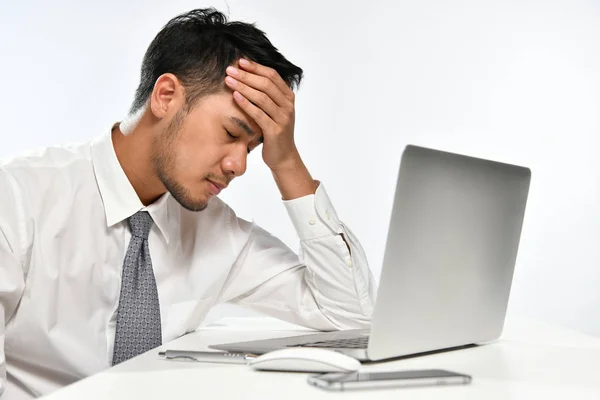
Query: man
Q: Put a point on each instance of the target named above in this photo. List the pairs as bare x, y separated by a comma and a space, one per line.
104, 253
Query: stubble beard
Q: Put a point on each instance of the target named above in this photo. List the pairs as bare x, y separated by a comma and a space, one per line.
163, 158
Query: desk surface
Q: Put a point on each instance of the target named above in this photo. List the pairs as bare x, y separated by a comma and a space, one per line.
531, 360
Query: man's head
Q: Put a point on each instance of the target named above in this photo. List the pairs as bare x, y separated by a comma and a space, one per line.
201, 137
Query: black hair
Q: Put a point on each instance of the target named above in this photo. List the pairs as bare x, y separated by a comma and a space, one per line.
198, 46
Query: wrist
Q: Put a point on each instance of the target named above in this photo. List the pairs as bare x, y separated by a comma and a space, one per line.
294, 180
289, 164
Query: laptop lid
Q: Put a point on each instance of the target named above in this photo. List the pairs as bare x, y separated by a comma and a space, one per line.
450, 253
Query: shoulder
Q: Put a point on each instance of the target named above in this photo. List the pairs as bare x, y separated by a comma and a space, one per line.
41, 174
54, 159
218, 219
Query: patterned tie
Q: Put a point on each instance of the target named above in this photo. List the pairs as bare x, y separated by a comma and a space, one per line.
138, 315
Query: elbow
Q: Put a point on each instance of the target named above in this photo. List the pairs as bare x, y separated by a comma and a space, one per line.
346, 319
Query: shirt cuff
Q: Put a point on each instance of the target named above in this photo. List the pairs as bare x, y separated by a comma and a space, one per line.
313, 216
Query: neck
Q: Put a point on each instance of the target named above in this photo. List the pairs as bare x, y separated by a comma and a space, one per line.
134, 152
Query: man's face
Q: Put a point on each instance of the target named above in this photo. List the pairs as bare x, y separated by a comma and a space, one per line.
200, 152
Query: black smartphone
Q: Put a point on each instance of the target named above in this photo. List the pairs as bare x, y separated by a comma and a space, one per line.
369, 380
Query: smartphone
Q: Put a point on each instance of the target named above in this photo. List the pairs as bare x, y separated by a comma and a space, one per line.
369, 380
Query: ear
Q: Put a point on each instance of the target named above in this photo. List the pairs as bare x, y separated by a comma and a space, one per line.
167, 95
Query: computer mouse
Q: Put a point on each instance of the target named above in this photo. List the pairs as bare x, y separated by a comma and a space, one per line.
303, 359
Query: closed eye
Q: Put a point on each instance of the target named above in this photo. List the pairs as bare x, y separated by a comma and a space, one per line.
248, 150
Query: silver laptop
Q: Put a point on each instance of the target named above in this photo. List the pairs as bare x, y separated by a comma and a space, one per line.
448, 265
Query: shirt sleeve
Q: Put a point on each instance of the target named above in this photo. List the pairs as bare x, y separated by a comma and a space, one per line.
12, 280
328, 286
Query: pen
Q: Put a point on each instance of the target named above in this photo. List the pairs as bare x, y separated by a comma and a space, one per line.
207, 356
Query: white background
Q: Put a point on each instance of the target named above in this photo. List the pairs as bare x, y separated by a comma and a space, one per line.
514, 81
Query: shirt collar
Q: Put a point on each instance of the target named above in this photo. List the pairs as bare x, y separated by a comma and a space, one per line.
118, 195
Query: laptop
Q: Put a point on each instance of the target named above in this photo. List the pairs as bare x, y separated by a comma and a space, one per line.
448, 265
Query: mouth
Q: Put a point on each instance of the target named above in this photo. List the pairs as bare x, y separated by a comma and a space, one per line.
216, 188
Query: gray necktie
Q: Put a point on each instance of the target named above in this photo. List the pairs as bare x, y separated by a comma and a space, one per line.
138, 315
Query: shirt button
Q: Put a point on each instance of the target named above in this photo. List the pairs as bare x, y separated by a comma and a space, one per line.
349, 262
312, 221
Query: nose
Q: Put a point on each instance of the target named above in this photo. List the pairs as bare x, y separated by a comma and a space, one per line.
234, 164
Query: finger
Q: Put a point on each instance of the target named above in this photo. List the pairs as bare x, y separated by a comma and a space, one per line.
260, 83
269, 73
265, 123
260, 99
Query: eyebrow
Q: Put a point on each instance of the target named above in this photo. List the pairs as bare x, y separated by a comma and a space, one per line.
245, 127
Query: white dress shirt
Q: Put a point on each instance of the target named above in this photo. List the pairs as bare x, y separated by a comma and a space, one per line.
63, 237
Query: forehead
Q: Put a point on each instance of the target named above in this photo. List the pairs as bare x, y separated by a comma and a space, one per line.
222, 106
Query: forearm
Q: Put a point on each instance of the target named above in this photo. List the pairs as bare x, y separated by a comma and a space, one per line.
339, 276
12, 277
294, 180
341, 283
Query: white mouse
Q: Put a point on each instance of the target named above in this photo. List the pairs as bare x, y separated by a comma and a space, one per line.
303, 359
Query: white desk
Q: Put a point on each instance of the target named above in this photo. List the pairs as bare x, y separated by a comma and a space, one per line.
532, 360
